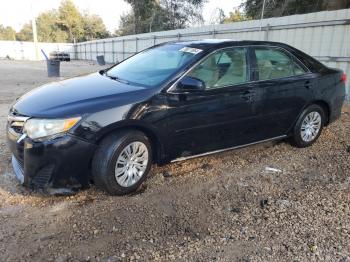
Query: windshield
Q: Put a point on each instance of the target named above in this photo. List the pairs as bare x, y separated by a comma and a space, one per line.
153, 66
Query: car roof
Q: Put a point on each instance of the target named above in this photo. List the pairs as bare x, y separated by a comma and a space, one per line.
219, 43
208, 45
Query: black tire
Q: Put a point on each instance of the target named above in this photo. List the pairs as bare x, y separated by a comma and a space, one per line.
296, 139
105, 158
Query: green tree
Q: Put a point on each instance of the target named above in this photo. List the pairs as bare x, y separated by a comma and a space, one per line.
70, 20
48, 29
338, 4
157, 20
141, 14
126, 25
157, 15
235, 16
221, 16
65, 25
275, 8
26, 33
182, 13
160, 19
94, 28
7, 33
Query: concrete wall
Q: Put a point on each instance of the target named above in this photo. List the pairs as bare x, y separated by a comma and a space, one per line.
26, 50
324, 35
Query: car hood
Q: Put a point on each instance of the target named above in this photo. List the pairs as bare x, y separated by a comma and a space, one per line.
79, 95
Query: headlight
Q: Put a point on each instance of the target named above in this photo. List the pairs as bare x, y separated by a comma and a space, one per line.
41, 128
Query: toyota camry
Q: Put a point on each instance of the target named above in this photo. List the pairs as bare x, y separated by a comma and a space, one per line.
170, 102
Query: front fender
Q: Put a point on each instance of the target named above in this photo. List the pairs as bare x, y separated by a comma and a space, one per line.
149, 119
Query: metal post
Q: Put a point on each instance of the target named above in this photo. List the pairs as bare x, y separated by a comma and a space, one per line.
76, 52
104, 49
154, 40
96, 49
90, 50
266, 37
113, 51
178, 36
123, 49
214, 32
85, 51
136, 46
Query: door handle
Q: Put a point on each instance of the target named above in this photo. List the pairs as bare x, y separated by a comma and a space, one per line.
247, 95
307, 84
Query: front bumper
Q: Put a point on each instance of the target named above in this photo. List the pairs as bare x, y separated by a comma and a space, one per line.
56, 166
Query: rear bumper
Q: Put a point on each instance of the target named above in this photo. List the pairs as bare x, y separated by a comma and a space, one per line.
335, 108
60, 165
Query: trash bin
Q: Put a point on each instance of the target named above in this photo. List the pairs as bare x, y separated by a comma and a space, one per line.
53, 68
101, 59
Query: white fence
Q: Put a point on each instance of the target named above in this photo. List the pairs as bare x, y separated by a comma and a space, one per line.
26, 50
324, 35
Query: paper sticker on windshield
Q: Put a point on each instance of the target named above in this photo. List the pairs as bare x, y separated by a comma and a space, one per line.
191, 50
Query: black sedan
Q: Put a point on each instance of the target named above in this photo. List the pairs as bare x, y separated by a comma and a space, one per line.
170, 102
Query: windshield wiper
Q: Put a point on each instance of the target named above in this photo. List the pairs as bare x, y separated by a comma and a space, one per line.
117, 79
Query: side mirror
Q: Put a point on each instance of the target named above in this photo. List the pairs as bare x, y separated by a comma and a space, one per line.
191, 84
102, 71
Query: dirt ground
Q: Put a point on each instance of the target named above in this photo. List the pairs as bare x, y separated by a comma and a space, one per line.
224, 207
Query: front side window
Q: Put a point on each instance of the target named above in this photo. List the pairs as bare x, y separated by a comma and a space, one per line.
223, 68
274, 63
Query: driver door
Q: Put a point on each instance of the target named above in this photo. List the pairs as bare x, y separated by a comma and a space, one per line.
222, 115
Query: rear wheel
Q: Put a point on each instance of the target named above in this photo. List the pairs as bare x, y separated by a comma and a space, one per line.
309, 126
122, 162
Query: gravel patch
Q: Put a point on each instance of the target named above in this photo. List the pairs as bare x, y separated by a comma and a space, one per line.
269, 202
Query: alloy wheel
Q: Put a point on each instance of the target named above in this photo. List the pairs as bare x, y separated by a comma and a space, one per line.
311, 126
131, 164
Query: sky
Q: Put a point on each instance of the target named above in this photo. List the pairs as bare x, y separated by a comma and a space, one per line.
15, 13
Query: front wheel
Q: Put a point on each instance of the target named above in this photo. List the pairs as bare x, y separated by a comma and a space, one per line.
122, 162
308, 127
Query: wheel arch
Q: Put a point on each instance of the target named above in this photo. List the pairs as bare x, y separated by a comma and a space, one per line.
150, 132
326, 108
323, 104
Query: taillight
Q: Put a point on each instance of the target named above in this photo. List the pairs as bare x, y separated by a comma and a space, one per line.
343, 78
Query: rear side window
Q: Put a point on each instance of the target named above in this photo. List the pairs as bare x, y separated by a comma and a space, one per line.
274, 63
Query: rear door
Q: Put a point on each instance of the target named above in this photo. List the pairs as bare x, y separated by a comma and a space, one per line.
286, 85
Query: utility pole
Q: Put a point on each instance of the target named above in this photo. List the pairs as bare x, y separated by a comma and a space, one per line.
35, 34
262, 14
152, 18
153, 15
